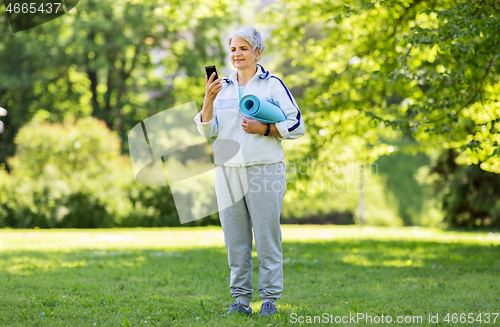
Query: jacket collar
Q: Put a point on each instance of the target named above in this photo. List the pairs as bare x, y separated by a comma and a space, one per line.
263, 74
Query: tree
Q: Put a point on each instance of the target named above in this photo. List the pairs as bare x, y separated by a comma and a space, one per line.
363, 70
119, 61
427, 69
451, 60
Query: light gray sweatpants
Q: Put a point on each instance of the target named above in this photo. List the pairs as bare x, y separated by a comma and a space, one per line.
261, 208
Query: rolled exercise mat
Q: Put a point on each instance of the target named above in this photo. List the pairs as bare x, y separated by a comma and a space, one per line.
261, 110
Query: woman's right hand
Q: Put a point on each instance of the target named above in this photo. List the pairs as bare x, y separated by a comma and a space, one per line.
213, 87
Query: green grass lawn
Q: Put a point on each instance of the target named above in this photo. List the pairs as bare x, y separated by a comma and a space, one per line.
180, 277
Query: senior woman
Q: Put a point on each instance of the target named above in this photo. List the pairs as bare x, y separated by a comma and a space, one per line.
259, 170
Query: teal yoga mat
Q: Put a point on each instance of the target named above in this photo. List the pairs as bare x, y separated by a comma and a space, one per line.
261, 110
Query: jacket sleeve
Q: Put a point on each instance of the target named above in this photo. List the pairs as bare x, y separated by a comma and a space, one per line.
293, 127
209, 128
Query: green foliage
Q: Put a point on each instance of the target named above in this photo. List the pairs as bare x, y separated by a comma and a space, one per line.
429, 69
365, 71
470, 195
339, 53
451, 63
362, 71
66, 149
403, 177
318, 189
66, 175
160, 201
119, 61
71, 175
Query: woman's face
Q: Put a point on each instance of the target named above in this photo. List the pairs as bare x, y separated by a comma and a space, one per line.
242, 55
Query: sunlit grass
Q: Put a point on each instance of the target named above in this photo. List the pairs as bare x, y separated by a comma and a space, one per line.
180, 276
169, 238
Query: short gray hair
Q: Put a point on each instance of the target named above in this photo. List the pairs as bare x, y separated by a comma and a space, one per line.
249, 34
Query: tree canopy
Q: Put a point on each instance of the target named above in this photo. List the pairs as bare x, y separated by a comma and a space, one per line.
428, 69
119, 61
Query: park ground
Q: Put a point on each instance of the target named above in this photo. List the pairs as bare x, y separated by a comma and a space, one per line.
180, 277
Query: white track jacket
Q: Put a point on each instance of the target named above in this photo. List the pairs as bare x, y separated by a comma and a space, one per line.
257, 149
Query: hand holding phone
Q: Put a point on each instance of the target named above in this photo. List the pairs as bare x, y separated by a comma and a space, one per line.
211, 69
214, 85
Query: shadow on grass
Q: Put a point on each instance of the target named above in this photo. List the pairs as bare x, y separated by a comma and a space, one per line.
477, 229
186, 287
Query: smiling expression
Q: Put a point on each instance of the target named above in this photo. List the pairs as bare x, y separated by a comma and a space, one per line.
242, 55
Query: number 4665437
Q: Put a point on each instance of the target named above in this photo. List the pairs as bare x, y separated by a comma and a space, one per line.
33, 8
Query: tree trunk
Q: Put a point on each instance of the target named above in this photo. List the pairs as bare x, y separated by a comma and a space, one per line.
361, 205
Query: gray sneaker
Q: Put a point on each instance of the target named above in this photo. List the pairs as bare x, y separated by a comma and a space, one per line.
268, 309
238, 308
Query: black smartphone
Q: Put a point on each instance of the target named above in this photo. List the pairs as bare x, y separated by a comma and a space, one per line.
211, 69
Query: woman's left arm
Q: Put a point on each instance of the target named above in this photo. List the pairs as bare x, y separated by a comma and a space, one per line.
253, 126
293, 127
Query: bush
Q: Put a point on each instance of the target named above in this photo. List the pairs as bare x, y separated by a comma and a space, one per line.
470, 195
68, 149
71, 175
